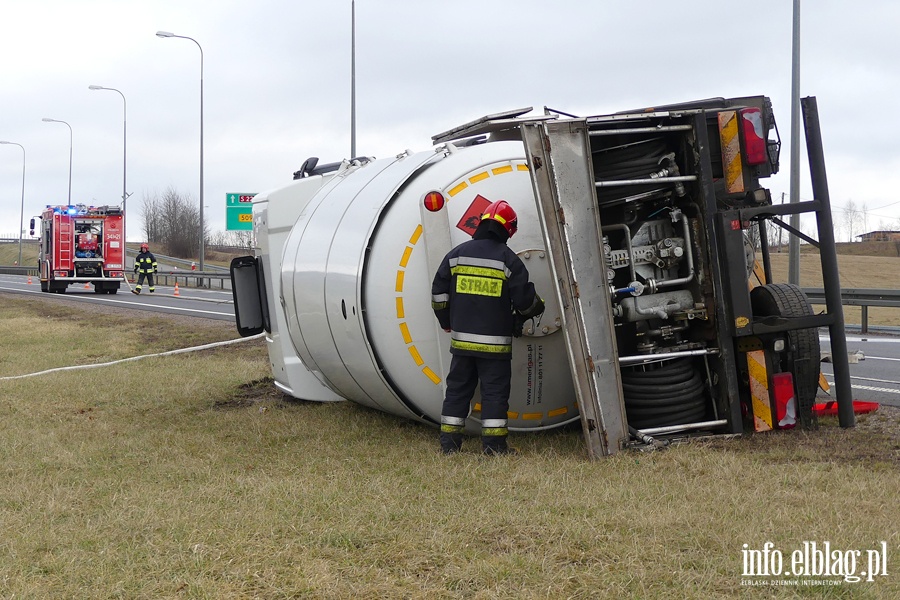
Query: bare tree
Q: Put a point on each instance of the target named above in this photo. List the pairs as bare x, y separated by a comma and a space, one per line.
151, 214
234, 239
851, 218
173, 220
864, 212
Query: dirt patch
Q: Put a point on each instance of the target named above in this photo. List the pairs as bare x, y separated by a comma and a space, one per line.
875, 440
253, 392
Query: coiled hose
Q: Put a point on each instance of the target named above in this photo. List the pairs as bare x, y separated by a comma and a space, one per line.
672, 394
630, 161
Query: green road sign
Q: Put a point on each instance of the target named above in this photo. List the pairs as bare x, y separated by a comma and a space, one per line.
239, 211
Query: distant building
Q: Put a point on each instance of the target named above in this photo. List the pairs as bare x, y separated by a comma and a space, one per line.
880, 236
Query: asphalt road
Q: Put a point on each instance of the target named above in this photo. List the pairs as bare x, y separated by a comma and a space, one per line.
204, 303
875, 370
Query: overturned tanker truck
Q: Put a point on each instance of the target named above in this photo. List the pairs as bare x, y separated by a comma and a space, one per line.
640, 230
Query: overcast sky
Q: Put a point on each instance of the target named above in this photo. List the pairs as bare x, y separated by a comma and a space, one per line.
277, 85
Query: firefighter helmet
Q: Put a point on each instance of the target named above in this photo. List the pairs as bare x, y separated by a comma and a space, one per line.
145, 247
504, 214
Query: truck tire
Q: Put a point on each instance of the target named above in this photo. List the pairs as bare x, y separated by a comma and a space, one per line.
802, 354
45, 286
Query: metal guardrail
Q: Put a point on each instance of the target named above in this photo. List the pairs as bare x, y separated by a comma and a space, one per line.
864, 298
6, 270
200, 279
187, 278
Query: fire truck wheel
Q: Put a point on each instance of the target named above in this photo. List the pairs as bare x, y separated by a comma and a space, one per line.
45, 286
802, 354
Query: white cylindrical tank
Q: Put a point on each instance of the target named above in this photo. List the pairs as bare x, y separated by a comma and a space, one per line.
356, 283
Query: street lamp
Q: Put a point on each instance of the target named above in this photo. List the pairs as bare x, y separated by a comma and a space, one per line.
124, 138
22, 209
46, 120
166, 34
124, 153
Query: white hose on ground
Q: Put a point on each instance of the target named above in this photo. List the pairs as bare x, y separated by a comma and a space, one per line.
115, 362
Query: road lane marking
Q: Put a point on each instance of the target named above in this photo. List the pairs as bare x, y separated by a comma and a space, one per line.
871, 388
126, 303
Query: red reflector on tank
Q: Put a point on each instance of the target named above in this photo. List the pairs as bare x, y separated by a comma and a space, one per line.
754, 139
434, 201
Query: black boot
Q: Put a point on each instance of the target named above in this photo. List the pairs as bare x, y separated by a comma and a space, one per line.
451, 443
495, 445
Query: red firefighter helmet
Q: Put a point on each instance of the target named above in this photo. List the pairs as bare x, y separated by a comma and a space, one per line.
504, 214
145, 247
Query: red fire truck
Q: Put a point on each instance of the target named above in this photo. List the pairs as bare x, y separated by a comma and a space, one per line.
81, 244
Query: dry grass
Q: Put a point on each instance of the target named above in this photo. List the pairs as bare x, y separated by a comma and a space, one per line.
9, 253
76, 333
188, 477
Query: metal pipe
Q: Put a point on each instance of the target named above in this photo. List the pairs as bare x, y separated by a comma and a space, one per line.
793, 242
627, 231
627, 182
685, 427
830, 275
641, 130
689, 256
648, 358
353, 79
646, 439
764, 250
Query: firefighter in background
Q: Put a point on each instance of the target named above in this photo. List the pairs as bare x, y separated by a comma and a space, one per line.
482, 296
145, 264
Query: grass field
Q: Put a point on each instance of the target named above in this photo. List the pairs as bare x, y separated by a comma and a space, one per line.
188, 477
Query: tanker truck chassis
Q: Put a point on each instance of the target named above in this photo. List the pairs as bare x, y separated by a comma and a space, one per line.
640, 230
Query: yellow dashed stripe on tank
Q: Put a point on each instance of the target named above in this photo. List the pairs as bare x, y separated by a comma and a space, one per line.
414, 353
401, 311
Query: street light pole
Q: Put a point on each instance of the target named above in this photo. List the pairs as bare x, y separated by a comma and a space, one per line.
124, 156
124, 139
166, 34
46, 120
352, 80
22, 209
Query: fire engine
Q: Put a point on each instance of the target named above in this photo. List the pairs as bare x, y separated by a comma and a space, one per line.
81, 244
635, 228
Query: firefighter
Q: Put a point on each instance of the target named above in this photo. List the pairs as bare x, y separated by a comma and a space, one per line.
145, 264
481, 295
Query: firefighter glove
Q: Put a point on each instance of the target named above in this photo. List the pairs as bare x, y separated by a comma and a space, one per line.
518, 324
135, 268
536, 308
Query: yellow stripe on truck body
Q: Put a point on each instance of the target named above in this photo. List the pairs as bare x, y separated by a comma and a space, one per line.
732, 162
759, 390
